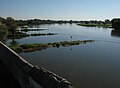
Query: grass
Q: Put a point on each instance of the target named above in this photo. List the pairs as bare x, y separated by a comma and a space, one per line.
26, 30
22, 35
17, 49
96, 25
34, 47
27, 46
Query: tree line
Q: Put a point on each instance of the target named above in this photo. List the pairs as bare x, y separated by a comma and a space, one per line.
11, 25
39, 22
8, 24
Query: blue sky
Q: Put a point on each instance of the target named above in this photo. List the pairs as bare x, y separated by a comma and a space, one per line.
60, 9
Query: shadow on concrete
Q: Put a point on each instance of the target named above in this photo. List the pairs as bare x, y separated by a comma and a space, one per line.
6, 79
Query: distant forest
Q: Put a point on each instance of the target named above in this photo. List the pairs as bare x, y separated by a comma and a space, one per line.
11, 23
115, 23
39, 21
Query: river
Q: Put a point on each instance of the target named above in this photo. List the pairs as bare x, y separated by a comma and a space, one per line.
90, 65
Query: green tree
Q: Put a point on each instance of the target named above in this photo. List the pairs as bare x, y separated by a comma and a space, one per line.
2, 26
116, 23
3, 32
107, 21
2, 20
11, 25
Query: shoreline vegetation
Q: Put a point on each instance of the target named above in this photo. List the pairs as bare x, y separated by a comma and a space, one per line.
9, 26
20, 35
38, 47
29, 29
96, 25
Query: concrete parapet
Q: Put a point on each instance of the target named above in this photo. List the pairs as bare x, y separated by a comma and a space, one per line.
48, 79
27, 75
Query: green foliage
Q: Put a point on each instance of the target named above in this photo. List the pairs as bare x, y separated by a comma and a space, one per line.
3, 26
39, 22
33, 47
116, 23
96, 25
38, 34
6, 25
2, 20
3, 32
19, 35
17, 49
27, 46
11, 24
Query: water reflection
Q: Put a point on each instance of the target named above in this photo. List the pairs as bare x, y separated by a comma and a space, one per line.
91, 65
115, 33
14, 43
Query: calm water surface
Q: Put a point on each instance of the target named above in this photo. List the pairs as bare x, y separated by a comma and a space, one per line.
91, 65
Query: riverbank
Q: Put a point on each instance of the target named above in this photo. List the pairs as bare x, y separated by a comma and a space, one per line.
32, 29
20, 35
96, 25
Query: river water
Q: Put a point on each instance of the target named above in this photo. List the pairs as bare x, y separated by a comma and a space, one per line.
90, 65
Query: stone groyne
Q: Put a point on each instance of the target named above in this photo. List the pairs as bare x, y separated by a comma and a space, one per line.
27, 75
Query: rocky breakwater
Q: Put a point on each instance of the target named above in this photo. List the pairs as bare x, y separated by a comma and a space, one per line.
27, 75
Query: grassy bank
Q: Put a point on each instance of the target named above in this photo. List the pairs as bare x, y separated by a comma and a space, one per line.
34, 47
22, 35
28, 29
97, 25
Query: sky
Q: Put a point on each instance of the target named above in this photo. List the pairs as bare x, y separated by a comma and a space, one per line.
60, 9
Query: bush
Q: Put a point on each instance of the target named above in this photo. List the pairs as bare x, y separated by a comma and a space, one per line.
26, 46
17, 49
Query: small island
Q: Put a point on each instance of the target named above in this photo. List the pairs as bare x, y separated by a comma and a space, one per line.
20, 35
35, 47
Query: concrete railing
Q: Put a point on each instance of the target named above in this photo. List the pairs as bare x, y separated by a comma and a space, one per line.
27, 75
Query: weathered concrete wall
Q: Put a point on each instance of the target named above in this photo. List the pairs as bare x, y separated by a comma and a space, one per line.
18, 67
28, 75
